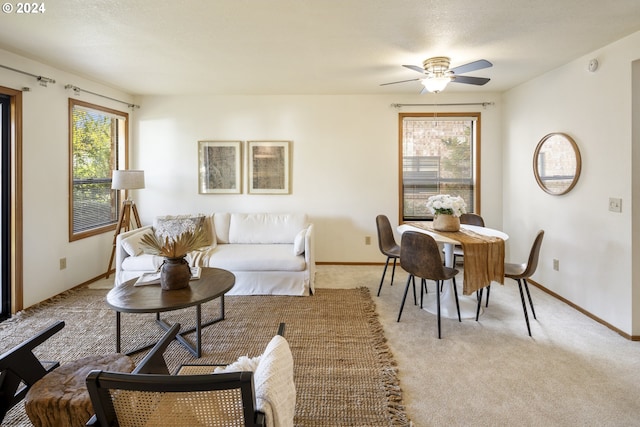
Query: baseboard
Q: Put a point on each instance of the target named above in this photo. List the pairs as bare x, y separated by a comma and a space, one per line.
348, 263
585, 312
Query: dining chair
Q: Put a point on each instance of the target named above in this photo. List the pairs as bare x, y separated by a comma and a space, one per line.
520, 273
469, 219
420, 257
388, 246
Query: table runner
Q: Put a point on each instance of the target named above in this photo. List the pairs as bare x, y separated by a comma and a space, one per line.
483, 256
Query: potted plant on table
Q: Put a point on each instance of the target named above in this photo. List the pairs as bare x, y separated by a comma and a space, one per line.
175, 272
447, 210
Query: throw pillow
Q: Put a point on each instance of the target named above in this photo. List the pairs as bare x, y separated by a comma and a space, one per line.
298, 243
131, 244
171, 226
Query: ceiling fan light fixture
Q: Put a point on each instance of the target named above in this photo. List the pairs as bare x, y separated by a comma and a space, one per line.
435, 84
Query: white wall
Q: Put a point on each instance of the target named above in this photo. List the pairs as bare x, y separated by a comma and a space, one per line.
45, 145
345, 159
593, 245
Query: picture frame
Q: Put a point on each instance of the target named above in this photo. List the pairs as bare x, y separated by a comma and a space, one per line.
269, 166
219, 167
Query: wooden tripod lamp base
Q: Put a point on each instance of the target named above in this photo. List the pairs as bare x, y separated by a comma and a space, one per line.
125, 180
124, 224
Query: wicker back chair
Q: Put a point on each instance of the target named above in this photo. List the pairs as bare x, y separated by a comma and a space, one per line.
195, 396
174, 400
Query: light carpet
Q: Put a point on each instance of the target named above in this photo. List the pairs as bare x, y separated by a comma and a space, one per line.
572, 372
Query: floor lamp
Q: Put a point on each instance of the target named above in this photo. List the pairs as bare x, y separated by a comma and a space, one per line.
125, 180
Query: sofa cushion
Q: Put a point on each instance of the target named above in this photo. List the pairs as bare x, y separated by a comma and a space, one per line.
221, 226
265, 228
256, 257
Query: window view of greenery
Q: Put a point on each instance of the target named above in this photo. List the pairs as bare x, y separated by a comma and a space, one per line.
437, 158
96, 135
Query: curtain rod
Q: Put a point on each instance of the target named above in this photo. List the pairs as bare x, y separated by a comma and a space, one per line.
77, 90
484, 104
41, 79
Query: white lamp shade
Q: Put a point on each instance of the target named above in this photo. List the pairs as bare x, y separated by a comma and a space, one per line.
127, 179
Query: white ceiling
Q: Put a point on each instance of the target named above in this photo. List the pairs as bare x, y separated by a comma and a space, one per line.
309, 46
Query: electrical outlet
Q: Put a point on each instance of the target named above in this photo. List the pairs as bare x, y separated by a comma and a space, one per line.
615, 204
367, 240
556, 265
63, 263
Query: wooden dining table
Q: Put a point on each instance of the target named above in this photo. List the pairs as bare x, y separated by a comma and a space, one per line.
483, 249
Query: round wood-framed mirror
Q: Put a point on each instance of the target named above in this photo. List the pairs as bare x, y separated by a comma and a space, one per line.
557, 163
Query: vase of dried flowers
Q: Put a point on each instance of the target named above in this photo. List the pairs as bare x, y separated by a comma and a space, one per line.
175, 272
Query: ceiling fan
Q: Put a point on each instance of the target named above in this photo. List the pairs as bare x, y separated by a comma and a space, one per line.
438, 74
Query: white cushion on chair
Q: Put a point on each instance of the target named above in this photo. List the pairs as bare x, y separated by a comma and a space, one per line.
275, 389
273, 381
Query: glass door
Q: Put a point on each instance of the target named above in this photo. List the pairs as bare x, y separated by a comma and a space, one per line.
5, 207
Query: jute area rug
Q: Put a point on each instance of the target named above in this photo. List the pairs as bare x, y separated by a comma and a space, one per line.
344, 372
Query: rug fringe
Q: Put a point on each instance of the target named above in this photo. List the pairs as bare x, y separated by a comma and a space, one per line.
395, 408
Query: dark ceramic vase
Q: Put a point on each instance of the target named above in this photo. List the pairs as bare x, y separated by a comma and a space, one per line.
174, 274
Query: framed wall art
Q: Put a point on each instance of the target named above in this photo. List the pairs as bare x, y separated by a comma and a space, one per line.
220, 167
269, 166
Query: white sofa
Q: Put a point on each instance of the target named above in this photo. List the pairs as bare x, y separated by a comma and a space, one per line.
269, 253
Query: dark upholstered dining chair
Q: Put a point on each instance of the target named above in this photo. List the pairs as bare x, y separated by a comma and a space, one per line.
469, 219
520, 273
388, 246
420, 257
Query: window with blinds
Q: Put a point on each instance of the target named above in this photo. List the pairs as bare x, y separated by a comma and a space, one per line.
438, 156
98, 142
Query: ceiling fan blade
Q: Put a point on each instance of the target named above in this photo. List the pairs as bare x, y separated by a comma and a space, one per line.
471, 66
401, 81
415, 68
478, 81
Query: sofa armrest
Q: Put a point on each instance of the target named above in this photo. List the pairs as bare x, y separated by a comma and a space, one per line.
121, 254
310, 255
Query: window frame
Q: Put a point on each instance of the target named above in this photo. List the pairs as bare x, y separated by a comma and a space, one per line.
475, 152
120, 159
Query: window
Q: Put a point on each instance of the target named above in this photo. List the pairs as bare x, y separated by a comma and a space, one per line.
98, 145
438, 156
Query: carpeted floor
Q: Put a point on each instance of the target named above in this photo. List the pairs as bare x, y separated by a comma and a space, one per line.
572, 372
344, 372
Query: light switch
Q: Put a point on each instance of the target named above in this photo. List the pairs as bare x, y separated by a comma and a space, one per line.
615, 205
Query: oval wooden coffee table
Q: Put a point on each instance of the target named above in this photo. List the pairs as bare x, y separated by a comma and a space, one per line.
128, 298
